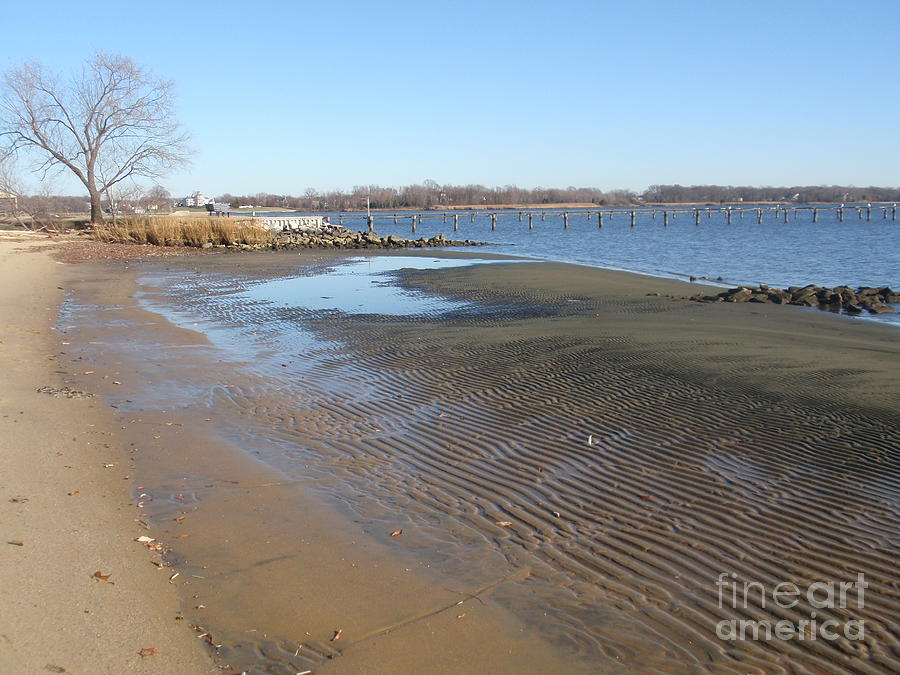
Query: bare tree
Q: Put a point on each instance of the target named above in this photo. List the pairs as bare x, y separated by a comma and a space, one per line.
158, 199
110, 123
30, 211
9, 185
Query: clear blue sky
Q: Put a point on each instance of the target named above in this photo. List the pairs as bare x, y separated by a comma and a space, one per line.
281, 96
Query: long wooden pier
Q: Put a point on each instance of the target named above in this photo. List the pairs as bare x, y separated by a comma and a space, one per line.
603, 216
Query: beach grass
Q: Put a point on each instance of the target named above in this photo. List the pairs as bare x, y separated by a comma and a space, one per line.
182, 230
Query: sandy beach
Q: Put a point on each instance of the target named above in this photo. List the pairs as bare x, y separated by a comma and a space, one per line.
66, 511
553, 480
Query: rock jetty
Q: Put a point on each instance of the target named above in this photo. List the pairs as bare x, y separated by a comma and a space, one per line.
850, 300
339, 237
331, 236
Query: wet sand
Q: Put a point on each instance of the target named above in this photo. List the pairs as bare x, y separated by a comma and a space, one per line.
575, 461
64, 514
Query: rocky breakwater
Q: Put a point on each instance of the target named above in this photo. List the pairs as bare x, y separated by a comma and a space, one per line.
841, 298
340, 237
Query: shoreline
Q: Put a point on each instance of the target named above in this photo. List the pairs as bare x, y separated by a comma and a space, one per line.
616, 364
79, 250
552, 207
72, 514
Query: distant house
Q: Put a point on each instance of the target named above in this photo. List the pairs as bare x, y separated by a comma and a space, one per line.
195, 199
8, 201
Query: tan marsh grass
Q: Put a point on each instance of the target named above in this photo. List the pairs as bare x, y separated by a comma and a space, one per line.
187, 230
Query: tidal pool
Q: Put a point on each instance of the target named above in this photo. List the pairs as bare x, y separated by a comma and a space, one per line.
363, 286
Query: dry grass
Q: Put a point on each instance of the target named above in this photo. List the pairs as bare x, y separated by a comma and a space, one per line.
187, 230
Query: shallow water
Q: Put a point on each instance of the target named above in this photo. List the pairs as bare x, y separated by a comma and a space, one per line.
361, 286
828, 252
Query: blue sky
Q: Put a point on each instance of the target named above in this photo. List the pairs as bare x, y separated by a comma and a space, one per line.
282, 96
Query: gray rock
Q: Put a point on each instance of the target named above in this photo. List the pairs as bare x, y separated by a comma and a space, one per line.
739, 295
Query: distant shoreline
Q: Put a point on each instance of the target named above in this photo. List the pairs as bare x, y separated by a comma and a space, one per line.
561, 205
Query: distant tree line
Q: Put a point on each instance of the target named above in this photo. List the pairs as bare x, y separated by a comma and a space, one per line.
431, 195
807, 193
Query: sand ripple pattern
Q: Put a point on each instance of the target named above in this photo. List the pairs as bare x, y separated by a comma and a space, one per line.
630, 482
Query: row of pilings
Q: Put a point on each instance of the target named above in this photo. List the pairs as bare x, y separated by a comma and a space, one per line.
604, 216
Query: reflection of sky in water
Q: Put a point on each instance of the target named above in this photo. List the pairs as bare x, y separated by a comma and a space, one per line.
361, 286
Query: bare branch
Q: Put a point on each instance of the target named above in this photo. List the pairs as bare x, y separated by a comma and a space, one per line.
112, 122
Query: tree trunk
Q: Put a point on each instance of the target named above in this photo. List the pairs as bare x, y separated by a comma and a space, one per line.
96, 208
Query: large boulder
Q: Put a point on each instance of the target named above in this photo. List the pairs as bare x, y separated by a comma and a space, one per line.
740, 294
881, 308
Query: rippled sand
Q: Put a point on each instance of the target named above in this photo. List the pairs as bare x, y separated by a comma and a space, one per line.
591, 456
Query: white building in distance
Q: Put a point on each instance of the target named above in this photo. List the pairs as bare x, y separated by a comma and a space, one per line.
196, 199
